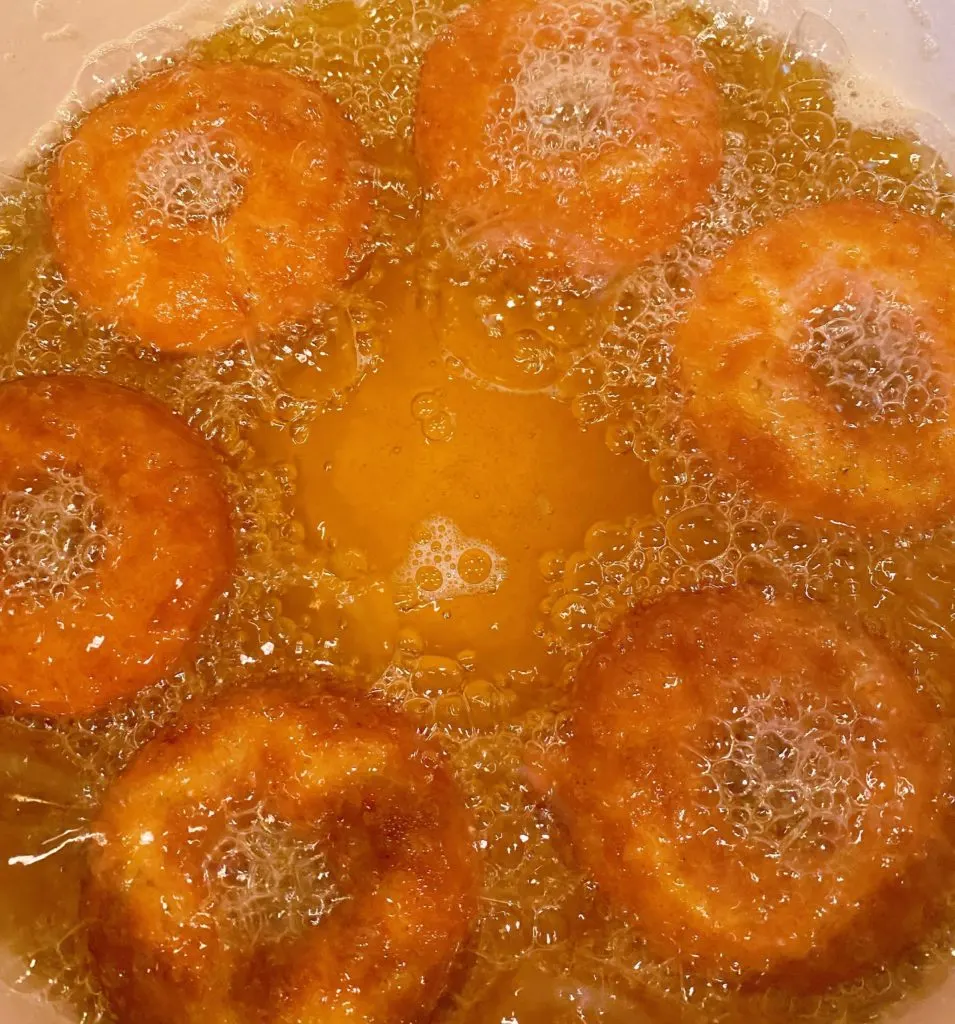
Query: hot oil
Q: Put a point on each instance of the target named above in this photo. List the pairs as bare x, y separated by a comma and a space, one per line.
447, 484
433, 499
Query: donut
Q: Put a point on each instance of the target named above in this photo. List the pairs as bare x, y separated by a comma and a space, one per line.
760, 786
818, 362
116, 539
572, 130
326, 771
208, 203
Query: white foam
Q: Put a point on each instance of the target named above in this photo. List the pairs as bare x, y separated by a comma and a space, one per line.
443, 564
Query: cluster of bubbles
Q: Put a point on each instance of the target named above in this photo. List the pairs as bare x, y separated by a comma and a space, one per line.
872, 354
268, 881
782, 771
366, 56
563, 101
444, 695
13, 227
564, 97
52, 535
533, 900
189, 178
443, 563
570, 98
437, 420
527, 337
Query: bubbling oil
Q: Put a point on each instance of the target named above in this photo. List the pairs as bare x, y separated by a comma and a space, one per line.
872, 353
311, 590
53, 533
187, 178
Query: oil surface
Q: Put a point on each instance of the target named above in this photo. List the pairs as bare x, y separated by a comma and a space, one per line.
448, 483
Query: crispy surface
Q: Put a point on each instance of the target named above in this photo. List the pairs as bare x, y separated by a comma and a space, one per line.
819, 360
570, 128
168, 552
345, 771
763, 788
211, 201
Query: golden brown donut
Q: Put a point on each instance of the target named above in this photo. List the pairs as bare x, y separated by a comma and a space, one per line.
763, 788
207, 203
337, 772
116, 540
573, 130
819, 361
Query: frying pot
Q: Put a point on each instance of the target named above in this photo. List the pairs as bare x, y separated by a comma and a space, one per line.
901, 51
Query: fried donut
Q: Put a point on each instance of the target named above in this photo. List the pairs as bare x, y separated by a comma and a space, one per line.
212, 201
573, 130
762, 787
819, 362
116, 539
337, 772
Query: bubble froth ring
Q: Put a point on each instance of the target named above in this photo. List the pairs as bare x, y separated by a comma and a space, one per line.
343, 772
211, 201
762, 787
819, 361
116, 539
576, 131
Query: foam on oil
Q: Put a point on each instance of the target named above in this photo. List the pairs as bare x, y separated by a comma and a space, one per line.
602, 354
